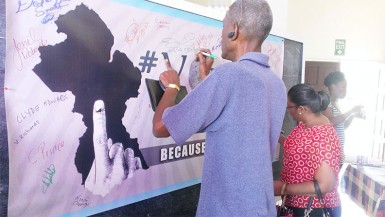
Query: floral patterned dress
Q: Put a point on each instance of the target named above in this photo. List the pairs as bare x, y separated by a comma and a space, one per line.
304, 151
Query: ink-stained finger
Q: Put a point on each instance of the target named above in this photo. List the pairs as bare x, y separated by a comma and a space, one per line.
100, 136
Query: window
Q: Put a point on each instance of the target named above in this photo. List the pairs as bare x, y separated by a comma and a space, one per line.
366, 86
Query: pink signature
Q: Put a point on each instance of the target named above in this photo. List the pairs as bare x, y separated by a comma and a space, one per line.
44, 151
162, 24
26, 48
135, 32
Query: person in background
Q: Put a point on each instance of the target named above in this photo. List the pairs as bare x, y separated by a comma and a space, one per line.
241, 106
312, 151
336, 84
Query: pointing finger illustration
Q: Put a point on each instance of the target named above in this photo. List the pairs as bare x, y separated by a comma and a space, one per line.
100, 137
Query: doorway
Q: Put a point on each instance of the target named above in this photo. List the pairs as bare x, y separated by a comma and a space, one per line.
315, 72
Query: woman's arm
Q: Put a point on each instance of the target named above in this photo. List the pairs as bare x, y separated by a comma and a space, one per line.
346, 117
325, 177
281, 139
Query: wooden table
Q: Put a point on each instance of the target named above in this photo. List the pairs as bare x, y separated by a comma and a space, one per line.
366, 186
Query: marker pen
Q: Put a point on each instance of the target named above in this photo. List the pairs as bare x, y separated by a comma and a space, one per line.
207, 54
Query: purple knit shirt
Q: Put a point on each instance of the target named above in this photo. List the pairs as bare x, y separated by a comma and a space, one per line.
240, 106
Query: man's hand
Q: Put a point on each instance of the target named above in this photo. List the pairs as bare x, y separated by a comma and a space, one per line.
170, 76
205, 63
112, 165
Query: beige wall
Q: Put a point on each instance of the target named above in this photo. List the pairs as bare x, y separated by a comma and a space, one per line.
362, 24
280, 12
319, 22
278, 7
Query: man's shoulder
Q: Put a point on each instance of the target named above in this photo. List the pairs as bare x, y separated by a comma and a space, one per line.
277, 82
227, 66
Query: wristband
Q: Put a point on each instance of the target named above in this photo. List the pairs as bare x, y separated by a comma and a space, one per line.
173, 86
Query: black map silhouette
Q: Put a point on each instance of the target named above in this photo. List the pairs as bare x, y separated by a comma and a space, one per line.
81, 64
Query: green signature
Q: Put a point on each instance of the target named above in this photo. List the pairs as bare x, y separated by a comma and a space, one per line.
47, 177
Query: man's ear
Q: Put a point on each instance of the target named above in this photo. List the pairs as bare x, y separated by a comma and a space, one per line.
236, 32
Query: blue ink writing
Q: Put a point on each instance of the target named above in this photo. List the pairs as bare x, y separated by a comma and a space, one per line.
29, 129
42, 8
27, 113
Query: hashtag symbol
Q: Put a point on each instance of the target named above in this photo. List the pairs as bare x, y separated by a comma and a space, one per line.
148, 61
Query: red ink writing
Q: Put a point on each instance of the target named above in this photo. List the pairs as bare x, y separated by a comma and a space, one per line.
135, 32
162, 24
26, 48
44, 151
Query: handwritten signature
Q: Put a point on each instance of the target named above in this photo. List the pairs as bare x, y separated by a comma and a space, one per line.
26, 132
43, 8
186, 44
162, 24
44, 151
204, 40
134, 32
80, 201
47, 177
27, 48
217, 44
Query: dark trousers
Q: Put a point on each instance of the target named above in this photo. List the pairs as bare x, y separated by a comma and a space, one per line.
316, 212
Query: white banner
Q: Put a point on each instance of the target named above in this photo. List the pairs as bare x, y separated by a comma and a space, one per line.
65, 55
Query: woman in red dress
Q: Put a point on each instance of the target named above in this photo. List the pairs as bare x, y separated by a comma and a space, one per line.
312, 151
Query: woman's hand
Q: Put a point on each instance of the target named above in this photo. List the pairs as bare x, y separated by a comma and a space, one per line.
358, 111
278, 188
281, 139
